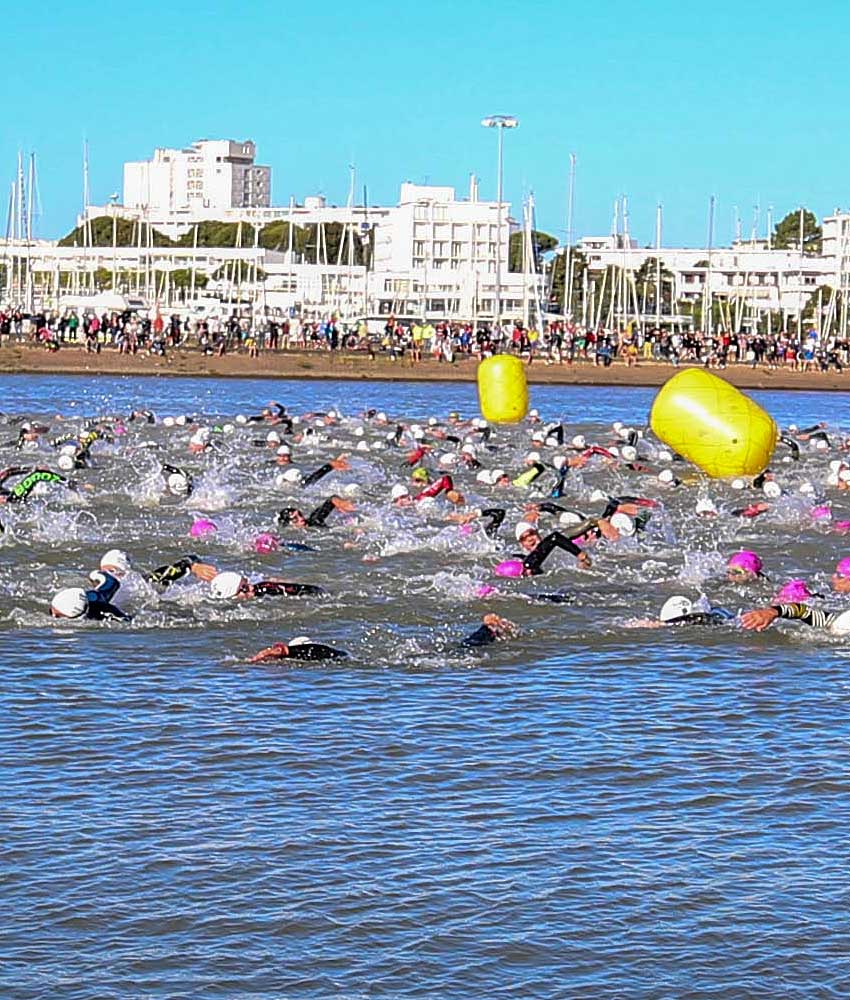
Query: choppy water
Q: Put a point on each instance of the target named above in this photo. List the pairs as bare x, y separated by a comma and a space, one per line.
586, 811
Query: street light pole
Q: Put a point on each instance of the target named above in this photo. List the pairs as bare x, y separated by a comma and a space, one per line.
500, 122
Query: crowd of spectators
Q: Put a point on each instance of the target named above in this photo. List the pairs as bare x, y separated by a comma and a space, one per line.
558, 343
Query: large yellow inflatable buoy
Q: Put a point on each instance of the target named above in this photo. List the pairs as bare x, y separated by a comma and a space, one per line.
502, 389
713, 425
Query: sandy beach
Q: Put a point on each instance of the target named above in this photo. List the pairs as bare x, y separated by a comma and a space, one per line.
326, 365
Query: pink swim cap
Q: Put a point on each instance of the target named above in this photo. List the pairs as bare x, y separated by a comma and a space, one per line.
201, 527
841, 526
749, 562
484, 590
794, 590
843, 567
821, 513
510, 567
465, 529
266, 543
119, 429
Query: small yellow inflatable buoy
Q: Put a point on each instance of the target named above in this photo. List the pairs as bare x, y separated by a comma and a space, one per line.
502, 389
713, 425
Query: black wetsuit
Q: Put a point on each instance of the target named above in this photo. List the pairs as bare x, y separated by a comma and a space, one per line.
714, 616
21, 491
484, 635
313, 652
533, 561
316, 518
809, 616
99, 606
495, 517
276, 588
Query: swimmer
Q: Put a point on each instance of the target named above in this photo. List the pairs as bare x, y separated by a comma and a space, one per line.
493, 516
835, 622
492, 629
536, 549
178, 481
679, 611
300, 648
228, 585
94, 604
23, 489
293, 517
444, 484
744, 567
841, 577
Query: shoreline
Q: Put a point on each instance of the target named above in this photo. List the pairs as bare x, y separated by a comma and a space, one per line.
320, 365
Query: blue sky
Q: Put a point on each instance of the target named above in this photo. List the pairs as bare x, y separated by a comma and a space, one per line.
663, 101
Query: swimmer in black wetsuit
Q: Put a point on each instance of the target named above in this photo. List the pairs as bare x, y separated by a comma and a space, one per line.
22, 490
295, 518
229, 585
94, 604
493, 629
835, 622
299, 648
536, 549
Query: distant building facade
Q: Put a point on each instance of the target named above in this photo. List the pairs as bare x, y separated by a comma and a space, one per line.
210, 176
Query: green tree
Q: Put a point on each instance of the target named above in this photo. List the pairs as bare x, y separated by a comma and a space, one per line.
786, 235
127, 233
646, 281
541, 242
238, 271
578, 266
275, 236
214, 233
181, 277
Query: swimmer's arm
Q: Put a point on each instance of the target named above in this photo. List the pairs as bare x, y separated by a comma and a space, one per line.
555, 539
495, 515
761, 618
318, 517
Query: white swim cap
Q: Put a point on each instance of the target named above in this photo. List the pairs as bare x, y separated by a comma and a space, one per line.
533, 456
675, 607
664, 455
379, 446
538, 437
559, 461
115, 559
399, 490
821, 445
579, 441
806, 488
738, 484
569, 517
448, 458
628, 453
65, 462
299, 640
240, 418
169, 421
597, 496
284, 449
71, 449
362, 446
841, 625
623, 523
484, 476
793, 428
432, 421
705, 505
382, 417
358, 432
178, 483
523, 527
468, 449
665, 476
180, 421
772, 490
228, 429
226, 585
292, 475
534, 412
70, 602
273, 437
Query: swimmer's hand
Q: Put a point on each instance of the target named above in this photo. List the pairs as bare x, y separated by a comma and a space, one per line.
345, 506
500, 627
458, 517
645, 623
203, 571
277, 651
760, 619
607, 530
584, 560
340, 463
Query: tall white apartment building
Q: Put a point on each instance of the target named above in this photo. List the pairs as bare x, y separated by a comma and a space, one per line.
208, 177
